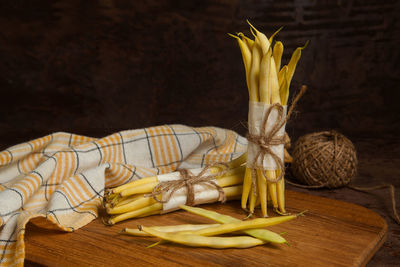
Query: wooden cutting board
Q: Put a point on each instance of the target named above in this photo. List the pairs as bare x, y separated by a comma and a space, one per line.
333, 233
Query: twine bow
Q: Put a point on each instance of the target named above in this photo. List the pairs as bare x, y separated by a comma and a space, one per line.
267, 139
189, 180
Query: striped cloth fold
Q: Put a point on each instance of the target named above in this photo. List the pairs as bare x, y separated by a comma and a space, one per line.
61, 177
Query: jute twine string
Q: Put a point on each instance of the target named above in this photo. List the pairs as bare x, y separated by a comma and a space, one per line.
392, 196
324, 159
189, 180
267, 139
328, 160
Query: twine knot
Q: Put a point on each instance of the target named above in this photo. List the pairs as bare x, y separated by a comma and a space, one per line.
189, 180
264, 142
271, 138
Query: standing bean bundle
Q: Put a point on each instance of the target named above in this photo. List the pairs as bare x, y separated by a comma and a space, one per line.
268, 84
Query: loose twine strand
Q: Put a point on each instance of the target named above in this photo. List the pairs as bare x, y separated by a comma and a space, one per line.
189, 180
328, 159
392, 196
267, 139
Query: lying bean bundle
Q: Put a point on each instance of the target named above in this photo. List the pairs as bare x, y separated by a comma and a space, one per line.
204, 235
267, 83
134, 199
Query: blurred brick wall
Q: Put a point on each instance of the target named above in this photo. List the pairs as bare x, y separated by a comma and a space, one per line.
96, 67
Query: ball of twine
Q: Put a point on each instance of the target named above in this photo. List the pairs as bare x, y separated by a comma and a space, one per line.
324, 159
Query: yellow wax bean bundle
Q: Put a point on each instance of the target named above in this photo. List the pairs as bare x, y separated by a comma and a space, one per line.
134, 199
153, 179
269, 83
147, 205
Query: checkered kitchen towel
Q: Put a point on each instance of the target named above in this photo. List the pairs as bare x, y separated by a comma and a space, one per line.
62, 176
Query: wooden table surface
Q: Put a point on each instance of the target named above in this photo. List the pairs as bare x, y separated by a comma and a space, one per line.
333, 233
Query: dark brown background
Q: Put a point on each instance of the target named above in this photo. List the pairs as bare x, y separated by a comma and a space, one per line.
96, 67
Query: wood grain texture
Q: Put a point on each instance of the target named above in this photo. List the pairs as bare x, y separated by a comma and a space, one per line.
333, 233
96, 67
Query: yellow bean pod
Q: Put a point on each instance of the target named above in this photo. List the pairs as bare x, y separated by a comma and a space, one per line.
265, 72
246, 187
157, 207
140, 189
168, 229
277, 54
293, 62
142, 181
133, 205
263, 234
247, 40
262, 192
263, 40
203, 241
255, 71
